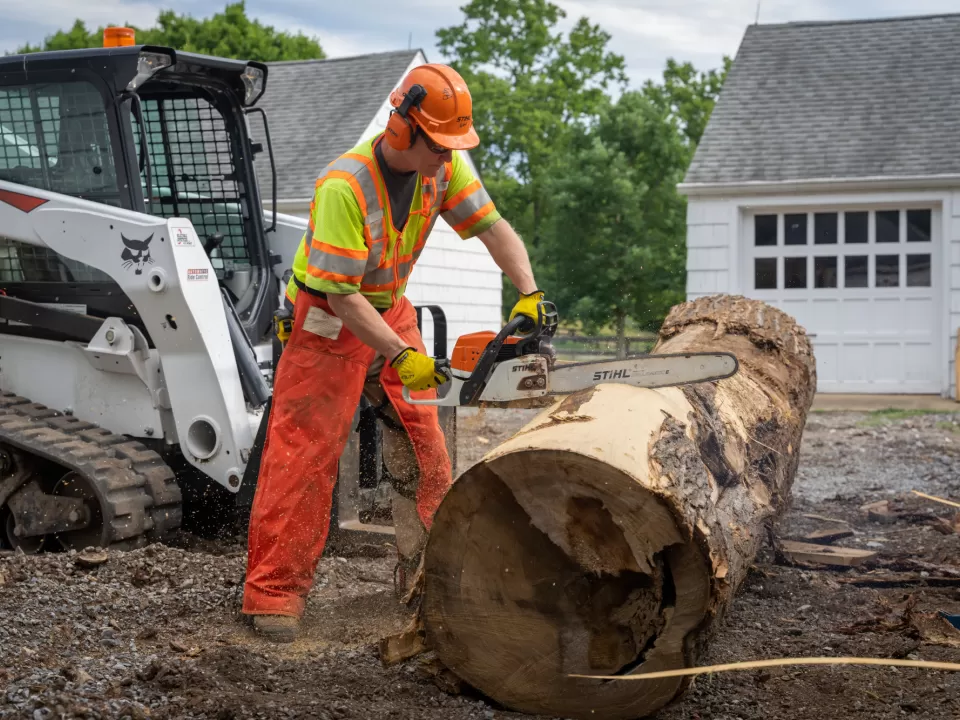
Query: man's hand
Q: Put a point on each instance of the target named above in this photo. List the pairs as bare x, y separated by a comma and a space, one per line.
417, 371
527, 305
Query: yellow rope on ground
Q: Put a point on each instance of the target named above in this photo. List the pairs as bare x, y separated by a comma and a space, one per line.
753, 664
935, 498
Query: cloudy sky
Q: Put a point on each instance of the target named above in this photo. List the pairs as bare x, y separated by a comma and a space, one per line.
645, 32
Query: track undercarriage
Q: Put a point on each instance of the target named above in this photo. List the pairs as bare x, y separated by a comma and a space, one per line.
69, 483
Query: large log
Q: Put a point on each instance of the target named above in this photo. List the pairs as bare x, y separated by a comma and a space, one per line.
610, 534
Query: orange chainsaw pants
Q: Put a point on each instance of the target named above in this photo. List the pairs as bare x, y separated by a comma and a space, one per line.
317, 388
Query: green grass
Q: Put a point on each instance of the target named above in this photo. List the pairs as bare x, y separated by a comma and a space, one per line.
953, 426
886, 415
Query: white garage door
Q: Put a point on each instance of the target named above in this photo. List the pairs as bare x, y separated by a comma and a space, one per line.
865, 282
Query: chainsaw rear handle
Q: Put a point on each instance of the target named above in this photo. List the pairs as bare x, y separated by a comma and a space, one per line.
443, 367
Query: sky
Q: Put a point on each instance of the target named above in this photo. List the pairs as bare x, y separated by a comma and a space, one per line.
645, 32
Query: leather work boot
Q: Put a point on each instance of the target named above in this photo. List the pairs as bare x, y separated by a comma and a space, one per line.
277, 628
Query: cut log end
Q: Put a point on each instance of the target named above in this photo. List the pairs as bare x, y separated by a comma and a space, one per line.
608, 535
560, 578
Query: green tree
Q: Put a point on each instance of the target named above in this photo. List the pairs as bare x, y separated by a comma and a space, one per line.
226, 34
531, 85
688, 95
616, 230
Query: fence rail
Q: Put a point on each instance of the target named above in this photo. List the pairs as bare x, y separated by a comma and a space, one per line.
601, 345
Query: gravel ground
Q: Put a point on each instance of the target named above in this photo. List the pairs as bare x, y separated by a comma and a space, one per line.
154, 633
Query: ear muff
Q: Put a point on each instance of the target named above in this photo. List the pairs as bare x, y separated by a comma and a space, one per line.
401, 133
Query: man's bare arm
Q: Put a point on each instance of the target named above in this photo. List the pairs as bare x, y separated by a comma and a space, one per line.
362, 319
509, 253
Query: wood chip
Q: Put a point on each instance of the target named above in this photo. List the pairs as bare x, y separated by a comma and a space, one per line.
397, 648
825, 554
90, 558
825, 519
879, 511
825, 536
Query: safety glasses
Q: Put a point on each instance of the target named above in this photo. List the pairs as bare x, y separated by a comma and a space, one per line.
432, 146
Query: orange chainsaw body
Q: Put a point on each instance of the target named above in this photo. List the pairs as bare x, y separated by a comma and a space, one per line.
469, 348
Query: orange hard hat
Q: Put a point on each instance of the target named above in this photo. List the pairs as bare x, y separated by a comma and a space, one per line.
444, 113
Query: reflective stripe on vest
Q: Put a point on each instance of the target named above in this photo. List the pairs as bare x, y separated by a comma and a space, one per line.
468, 207
380, 274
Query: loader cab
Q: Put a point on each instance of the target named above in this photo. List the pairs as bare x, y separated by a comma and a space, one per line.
148, 129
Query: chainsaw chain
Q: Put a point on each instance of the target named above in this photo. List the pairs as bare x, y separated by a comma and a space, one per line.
140, 500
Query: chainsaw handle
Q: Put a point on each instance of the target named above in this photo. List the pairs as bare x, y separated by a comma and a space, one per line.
450, 397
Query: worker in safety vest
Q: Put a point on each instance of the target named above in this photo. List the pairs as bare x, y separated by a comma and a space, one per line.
354, 332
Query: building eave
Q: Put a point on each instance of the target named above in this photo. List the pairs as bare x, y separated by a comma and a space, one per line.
814, 185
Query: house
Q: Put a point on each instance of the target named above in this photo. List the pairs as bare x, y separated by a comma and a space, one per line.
827, 183
319, 109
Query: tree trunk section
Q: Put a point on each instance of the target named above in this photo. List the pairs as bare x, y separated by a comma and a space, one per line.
610, 534
621, 336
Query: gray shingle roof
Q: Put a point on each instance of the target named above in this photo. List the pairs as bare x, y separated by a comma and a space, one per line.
837, 100
318, 109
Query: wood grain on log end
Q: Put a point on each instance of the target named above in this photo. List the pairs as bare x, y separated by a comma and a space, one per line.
609, 534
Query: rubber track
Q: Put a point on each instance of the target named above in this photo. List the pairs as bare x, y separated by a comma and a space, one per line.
140, 498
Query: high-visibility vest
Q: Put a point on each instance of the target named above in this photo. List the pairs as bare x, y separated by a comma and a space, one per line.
382, 268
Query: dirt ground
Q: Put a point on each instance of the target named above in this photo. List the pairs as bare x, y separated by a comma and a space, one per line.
154, 633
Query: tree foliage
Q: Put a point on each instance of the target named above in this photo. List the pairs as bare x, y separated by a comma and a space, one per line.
228, 34
531, 85
588, 183
617, 223
688, 96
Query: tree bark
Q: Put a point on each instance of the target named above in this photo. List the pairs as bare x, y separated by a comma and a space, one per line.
610, 534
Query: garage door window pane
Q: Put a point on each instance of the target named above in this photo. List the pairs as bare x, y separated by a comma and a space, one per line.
888, 271
795, 229
918, 271
795, 273
765, 273
888, 226
918, 226
825, 229
825, 272
855, 228
765, 230
855, 271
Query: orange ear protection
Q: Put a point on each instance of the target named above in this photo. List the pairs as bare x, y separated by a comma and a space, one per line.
401, 133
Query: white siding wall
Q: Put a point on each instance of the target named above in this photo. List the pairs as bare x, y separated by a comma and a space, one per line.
951, 214
709, 247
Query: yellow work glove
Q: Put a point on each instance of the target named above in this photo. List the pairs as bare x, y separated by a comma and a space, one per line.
527, 305
417, 371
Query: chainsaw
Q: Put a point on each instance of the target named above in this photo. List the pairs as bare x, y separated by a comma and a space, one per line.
517, 365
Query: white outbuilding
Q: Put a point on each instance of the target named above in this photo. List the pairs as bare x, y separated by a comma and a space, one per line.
827, 183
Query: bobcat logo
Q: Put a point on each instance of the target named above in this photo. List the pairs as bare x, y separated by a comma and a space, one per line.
136, 253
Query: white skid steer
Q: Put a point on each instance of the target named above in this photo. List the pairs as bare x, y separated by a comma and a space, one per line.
139, 287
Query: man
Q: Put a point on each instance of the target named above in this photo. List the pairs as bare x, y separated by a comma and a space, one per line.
354, 332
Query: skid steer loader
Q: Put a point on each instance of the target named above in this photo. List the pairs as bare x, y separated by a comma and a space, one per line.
140, 280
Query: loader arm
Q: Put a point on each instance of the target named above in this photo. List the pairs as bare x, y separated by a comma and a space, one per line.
161, 266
